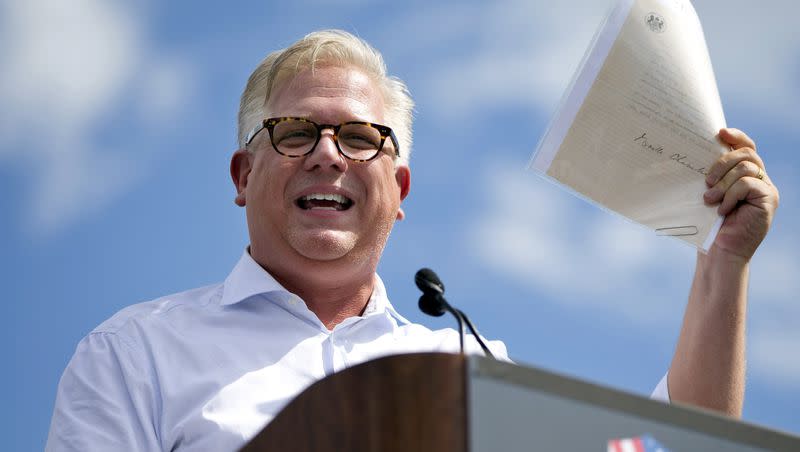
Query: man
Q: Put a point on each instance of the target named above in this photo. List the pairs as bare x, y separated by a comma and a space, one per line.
322, 170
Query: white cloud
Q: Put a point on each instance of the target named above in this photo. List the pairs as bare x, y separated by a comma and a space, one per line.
75, 182
612, 265
526, 234
755, 48
773, 355
164, 88
775, 272
66, 66
525, 53
774, 308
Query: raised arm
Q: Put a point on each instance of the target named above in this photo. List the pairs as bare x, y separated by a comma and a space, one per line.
709, 363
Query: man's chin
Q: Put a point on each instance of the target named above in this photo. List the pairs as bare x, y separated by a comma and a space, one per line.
324, 245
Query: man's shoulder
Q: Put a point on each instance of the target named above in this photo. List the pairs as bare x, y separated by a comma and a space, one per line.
148, 312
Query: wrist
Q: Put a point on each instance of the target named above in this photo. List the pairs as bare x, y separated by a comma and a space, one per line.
718, 258
721, 275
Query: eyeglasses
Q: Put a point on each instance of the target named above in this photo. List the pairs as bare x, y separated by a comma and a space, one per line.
295, 137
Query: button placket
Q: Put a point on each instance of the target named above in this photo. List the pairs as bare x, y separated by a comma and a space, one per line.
342, 345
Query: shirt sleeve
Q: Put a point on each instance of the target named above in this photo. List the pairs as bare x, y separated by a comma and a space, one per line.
472, 347
499, 350
104, 401
661, 392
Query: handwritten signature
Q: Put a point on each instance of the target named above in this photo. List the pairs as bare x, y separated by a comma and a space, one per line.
642, 140
681, 159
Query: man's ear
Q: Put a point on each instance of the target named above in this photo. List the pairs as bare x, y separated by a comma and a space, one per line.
241, 164
403, 177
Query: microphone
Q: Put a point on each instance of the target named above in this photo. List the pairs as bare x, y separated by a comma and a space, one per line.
428, 281
433, 303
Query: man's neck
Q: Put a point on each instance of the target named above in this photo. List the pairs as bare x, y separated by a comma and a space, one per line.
332, 296
337, 304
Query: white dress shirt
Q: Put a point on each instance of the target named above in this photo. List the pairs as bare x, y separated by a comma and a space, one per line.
207, 369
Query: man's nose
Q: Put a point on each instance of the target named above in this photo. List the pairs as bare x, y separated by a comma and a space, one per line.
326, 154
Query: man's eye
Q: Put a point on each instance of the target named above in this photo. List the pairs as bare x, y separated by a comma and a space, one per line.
295, 136
356, 137
359, 140
299, 133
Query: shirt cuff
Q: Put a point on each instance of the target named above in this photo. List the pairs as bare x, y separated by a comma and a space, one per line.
661, 392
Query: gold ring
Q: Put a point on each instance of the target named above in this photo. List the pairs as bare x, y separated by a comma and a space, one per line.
760, 174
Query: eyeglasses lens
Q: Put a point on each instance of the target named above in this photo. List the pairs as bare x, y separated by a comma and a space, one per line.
295, 138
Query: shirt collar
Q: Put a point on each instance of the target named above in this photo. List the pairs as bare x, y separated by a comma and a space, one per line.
247, 279
379, 302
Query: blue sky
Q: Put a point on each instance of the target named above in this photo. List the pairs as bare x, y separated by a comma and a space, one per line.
117, 121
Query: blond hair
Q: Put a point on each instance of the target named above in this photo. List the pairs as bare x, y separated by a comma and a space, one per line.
329, 47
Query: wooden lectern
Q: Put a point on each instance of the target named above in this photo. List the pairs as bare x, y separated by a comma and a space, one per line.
443, 402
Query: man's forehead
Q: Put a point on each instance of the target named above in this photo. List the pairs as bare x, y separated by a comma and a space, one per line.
326, 83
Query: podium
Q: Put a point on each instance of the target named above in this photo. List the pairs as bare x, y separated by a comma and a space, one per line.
443, 402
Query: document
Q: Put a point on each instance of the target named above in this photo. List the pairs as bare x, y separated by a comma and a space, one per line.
637, 130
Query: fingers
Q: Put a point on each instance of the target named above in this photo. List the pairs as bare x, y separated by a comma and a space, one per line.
730, 160
742, 169
741, 190
736, 138
745, 194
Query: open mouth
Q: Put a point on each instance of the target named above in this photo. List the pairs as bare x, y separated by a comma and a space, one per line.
327, 201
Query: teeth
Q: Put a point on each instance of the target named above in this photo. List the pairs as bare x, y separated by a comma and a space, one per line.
325, 197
